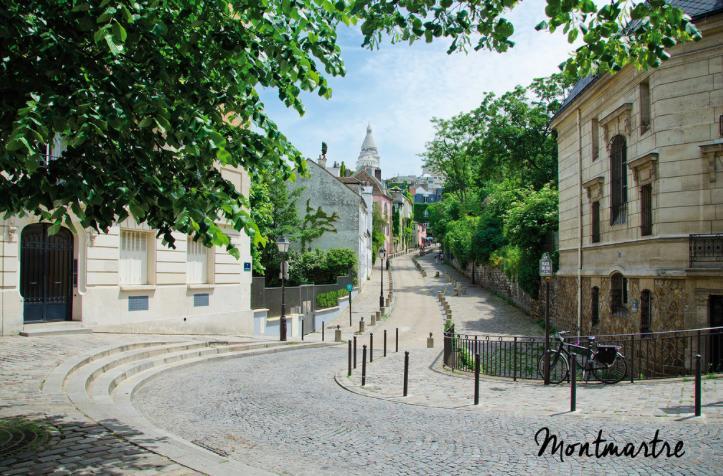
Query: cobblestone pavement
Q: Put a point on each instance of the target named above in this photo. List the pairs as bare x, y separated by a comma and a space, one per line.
662, 400
286, 414
78, 445
478, 310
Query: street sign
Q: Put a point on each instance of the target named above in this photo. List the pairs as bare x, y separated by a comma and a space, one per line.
284, 273
247, 266
545, 265
349, 287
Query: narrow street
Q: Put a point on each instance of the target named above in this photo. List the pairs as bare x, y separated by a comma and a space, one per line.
287, 414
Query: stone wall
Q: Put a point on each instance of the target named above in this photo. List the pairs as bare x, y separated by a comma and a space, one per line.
495, 280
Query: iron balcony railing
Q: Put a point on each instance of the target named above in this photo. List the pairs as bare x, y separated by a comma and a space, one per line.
650, 355
706, 250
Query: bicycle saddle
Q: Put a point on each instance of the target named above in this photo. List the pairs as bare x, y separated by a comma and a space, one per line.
590, 338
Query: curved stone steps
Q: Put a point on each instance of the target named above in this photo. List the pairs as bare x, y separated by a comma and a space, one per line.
55, 381
105, 384
109, 402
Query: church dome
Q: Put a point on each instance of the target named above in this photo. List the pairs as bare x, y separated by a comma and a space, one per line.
368, 155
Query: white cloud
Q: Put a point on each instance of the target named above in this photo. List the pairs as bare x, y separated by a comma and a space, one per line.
400, 88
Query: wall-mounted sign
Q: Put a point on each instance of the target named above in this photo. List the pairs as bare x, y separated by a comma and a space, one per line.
545, 265
247, 266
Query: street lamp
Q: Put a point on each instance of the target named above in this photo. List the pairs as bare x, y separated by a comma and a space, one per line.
382, 252
283, 244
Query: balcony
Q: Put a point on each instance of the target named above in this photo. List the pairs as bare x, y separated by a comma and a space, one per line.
706, 250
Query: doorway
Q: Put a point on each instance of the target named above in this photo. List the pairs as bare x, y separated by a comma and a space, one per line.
46, 274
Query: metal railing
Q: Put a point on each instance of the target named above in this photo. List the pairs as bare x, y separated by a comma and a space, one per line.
705, 250
649, 356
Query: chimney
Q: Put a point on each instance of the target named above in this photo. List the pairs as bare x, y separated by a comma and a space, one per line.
378, 174
322, 160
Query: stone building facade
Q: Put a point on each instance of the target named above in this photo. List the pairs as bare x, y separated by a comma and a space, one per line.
123, 281
350, 201
641, 193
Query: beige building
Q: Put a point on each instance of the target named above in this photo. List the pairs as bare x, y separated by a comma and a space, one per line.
125, 280
641, 192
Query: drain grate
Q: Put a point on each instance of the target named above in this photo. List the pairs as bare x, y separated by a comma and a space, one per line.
210, 448
17, 435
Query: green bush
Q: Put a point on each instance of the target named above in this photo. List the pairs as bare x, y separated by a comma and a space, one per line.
330, 299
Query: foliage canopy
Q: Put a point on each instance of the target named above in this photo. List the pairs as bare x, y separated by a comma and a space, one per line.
148, 97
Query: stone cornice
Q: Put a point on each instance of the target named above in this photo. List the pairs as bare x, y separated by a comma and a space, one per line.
644, 168
616, 122
594, 188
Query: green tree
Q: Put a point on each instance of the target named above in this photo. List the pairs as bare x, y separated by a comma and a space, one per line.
273, 210
378, 224
149, 96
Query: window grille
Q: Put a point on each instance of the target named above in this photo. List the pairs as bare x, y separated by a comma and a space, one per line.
133, 257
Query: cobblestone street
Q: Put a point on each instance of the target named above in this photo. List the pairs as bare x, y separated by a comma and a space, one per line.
287, 414
296, 412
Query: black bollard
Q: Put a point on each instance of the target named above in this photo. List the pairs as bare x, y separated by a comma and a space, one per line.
396, 344
573, 382
302, 329
322, 331
476, 379
354, 351
406, 371
697, 385
371, 347
364, 365
385, 342
349, 357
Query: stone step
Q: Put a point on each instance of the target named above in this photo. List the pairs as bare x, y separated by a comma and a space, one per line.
55, 382
90, 371
103, 383
54, 328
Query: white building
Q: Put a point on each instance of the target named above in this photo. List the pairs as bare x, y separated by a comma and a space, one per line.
125, 280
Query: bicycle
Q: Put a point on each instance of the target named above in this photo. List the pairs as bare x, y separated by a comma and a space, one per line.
604, 362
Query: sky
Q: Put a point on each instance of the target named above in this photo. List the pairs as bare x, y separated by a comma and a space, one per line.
399, 88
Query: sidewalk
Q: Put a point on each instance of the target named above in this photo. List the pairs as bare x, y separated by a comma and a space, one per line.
76, 444
417, 313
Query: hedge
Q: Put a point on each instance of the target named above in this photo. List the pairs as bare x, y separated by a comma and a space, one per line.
330, 298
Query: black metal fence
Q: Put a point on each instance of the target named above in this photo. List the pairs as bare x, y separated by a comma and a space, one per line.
649, 356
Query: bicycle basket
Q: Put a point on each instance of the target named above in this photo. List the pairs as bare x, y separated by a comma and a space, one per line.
606, 354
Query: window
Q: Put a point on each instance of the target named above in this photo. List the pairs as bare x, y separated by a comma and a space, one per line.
618, 294
595, 305
646, 210
644, 107
133, 257
646, 312
197, 262
595, 139
595, 222
618, 181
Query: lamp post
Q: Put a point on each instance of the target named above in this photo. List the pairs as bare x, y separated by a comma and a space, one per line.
546, 273
283, 244
382, 252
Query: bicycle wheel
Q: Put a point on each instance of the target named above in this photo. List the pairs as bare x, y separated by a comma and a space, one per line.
559, 368
614, 373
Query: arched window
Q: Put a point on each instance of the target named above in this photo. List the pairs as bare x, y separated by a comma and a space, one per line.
595, 305
646, 312
618, 294
618, 180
